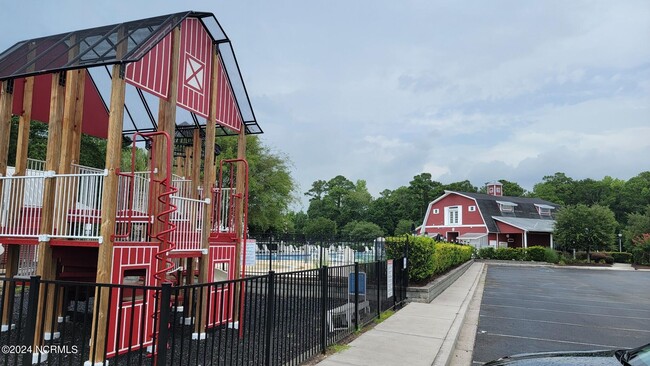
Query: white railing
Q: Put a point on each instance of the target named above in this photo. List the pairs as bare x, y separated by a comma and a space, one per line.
133, 204
37, 167
188, 219
222, 216
20, 209
81, 169
77, 205
184, 186
27, 260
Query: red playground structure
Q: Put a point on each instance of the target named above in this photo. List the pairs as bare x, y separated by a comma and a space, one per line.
181, 219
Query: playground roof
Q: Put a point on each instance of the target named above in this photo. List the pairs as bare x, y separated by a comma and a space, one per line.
97, 48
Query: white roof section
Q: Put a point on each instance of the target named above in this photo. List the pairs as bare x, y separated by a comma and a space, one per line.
537, 225
549, 207
470, 236
507, 203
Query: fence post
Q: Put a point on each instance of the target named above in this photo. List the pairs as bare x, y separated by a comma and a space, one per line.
407, 249
356, 295
320, 255
323, 309
163, 326
270, 295
270, 253
30, 326
379, 283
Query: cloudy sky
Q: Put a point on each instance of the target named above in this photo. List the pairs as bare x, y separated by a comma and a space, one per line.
385, 90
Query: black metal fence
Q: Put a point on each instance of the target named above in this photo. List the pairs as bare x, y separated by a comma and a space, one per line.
271, 319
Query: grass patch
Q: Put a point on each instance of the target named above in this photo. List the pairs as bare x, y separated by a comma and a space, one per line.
383, 316
336, 348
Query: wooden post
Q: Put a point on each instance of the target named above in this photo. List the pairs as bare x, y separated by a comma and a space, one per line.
166, 123
239, 215
6, 104
23, 128
187, 172
72, 120
46, 268
178, 169
209, 178
196, 163
109, 211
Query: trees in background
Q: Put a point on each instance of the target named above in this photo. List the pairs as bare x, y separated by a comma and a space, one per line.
585, 227
396, 211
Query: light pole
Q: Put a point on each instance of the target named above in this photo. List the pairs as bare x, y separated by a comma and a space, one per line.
620, 247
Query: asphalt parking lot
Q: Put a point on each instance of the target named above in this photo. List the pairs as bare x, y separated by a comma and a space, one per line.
539, 309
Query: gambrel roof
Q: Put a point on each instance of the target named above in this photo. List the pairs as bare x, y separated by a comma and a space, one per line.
524, 210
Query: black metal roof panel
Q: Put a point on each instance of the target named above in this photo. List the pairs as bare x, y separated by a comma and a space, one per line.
99, 46
525, 208
87, 48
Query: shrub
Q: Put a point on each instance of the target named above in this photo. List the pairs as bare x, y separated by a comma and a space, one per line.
581, 256
486, 253
641, 249
609, 259
598, 256
427, 257
446, 256
517, 254
551, 256
537, 254
621, 257
421, 250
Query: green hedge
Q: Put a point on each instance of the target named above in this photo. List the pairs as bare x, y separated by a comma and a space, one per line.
420, 255
426, 256
621, 257
446, 256
535, 253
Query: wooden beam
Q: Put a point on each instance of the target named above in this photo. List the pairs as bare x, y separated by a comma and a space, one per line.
109, 211
209, 178
196, 163
6, 104
239, 216
187, 172
166, 123
46, 268
72, 120
22, 144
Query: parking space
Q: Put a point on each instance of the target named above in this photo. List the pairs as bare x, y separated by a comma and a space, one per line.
539, 309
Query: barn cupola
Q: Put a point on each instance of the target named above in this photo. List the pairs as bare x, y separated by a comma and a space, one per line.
494, 188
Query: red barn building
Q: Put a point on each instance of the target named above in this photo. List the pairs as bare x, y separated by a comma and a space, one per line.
491, 219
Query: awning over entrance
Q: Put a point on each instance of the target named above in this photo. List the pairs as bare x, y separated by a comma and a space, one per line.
472, 236
536, 225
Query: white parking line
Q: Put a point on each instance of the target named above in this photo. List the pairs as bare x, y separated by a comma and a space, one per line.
570, 324
555, 341
567, 303
565, 312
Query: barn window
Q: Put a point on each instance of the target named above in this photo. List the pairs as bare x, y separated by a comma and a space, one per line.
471, 208
220, 271
506, 206
134, 277
544, 210
436, 211
453, 215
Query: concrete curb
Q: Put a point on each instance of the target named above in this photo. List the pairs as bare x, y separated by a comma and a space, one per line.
426, 294
444, 356
463, 353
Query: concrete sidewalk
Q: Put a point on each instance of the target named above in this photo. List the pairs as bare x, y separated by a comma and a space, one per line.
419, 334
